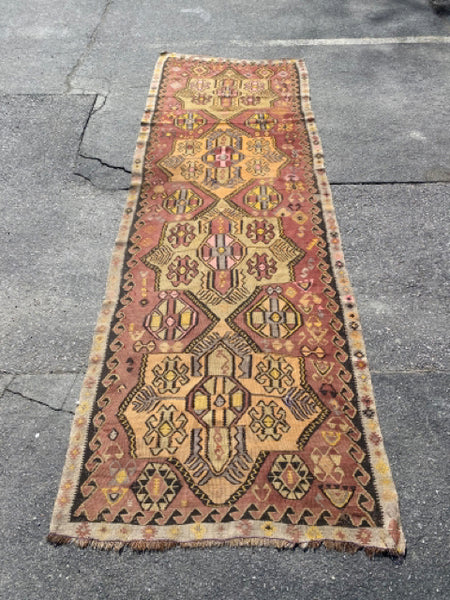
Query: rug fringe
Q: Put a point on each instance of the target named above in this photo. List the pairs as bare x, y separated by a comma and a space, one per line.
162, 545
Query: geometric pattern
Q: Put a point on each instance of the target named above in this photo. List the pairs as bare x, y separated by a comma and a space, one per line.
182, 201
156, 487
223, 160
268, 420
210, 401
262, 197
165, 430
273, 316
227, 397
290, 476
225, 94
221, 260
172, 318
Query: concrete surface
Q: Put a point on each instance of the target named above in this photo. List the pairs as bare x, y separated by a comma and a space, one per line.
74, 77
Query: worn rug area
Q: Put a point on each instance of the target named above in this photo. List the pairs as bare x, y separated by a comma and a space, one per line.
227, 398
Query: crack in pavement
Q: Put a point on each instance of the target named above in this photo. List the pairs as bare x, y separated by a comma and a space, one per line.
92, 111
103, 163
95, 108
86, 123
90, 43
99, 187
16, 393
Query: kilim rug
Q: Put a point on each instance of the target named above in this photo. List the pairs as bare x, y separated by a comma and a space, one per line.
228, 398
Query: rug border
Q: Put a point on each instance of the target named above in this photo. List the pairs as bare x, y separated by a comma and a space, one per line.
387, 540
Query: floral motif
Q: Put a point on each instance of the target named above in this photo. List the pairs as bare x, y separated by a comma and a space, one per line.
260, 231
182, 270
181, 235
261, 266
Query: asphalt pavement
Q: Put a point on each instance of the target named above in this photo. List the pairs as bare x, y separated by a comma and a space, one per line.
74, 77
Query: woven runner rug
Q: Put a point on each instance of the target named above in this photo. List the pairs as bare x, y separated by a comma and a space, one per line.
227, 398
